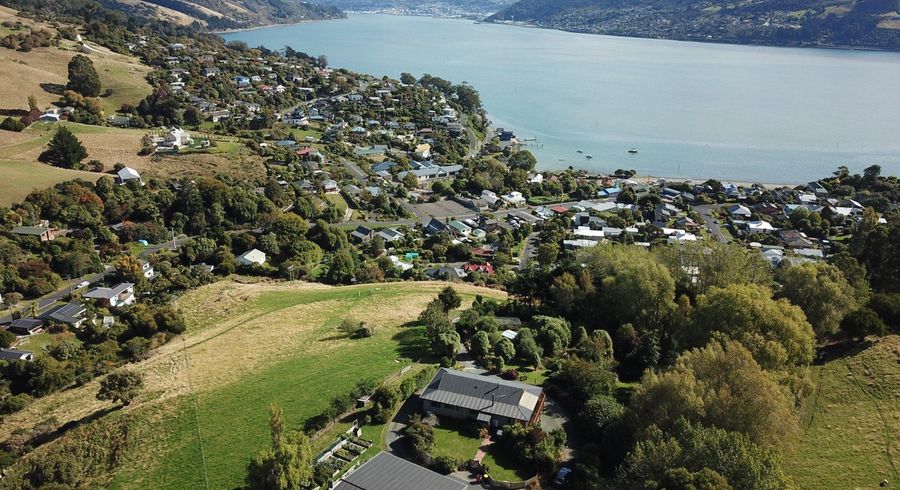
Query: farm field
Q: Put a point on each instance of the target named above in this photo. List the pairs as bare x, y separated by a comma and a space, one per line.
851, 423
203, 414
18, 179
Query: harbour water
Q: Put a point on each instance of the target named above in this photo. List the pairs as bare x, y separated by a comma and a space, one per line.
691, 109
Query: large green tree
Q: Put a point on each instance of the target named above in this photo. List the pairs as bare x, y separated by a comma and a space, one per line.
720, 386
64, 150
744, 464
83, 77
121, 386
700, 266
823, 293
774, 330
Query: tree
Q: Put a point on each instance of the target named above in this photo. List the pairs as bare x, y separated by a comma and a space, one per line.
734, 456
721, 386
682, 479
599, 411
6, 338
449, 298
528, 349
64, 150
83, 77
547, 253
481, 345
823, 293
287, 465
775, 331
628, 273
410, 181
864, 321
554, 334
505, 349
122, 386
698, 267
342, 267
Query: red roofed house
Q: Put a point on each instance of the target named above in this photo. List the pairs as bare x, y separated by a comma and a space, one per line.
560, 209
483, 268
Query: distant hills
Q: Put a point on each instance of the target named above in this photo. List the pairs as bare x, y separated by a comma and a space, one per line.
843, 23
465, 8
228, 14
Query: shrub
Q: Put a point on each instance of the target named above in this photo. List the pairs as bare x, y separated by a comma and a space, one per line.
444, 464
510, 374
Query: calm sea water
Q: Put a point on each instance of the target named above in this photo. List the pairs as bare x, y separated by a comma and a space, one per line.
691, 109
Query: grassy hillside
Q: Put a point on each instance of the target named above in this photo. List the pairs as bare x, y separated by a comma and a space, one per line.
846, 23
851, 423
42, 72
204, 412
18, 179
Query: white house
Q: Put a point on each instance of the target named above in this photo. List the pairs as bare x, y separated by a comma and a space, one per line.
119, 295
489, 196
252, 257
176, 138
514, 198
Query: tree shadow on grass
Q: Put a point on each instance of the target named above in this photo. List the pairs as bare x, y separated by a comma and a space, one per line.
53, 88
840, 350
413, 344
60, 431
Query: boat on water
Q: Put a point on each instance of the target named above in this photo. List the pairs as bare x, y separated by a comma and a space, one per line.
579, 151
633, 151
588, 156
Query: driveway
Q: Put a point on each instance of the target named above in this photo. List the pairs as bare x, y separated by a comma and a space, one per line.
393, 438
555, 417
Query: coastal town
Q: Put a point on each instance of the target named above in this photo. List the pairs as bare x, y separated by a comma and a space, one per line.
453, 314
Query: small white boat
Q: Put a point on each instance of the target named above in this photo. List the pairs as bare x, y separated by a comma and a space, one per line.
633, 151
588, 156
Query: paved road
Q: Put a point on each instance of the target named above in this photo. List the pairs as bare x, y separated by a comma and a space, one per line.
529, 250
48, 300
706, 212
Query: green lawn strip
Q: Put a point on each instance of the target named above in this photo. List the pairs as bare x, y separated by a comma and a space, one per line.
501, 466
459, 440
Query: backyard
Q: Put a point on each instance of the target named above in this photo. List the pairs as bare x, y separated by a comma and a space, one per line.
461, 441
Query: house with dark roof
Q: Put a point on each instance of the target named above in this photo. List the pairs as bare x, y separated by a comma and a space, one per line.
388, 472
435, 226
16, 355
43, 233
70, 313
26, 326
487, 399
361, 234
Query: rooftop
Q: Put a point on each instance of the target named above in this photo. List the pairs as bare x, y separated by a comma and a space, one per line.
487, 394
388, 472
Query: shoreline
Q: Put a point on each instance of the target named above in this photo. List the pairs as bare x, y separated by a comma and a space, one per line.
528, 25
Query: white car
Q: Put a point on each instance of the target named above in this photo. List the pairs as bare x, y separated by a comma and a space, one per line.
82, 284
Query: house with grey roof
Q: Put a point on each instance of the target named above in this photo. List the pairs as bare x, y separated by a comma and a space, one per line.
487, 399
70, 313
43, 233
118, 295
388, 472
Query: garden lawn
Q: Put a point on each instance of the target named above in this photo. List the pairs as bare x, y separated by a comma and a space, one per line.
459, 440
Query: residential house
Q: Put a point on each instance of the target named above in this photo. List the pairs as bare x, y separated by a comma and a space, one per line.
459, 228
390, 235
489, 196
434, 227
16, 355
514, 198
388, 472
70, 313
361, 234
482, 268
739, 211
147, 269
794, 239
490, 400
44, 233
329, 186
26, 326
252, 257
119, 295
